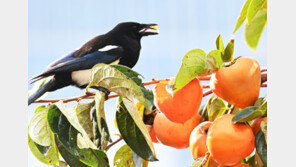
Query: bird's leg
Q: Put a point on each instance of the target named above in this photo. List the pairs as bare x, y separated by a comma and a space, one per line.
106, 91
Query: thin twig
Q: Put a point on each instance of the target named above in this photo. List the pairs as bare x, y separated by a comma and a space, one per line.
264, 69
207, 93
110, 145
90, 95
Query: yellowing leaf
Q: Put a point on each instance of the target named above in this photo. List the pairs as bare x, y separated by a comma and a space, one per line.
112, 79
242, 15
227, 56
219, 43
123, 157
254, 7
39, 130
101, 118
47, 156
140, 107
254, 29
83, 114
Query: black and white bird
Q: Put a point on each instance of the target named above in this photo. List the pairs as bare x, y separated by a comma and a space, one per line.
121, 45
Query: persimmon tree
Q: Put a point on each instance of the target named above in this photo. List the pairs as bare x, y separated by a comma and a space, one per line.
233, 118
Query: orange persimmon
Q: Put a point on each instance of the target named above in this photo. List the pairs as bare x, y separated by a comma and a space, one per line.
183, 104
256, 124
239, 84
229, 143
174, 134
198, 139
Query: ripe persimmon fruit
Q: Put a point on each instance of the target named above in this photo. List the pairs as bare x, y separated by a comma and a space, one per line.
198, 139
183, 104
152, 133
256, 124
239, 84
229, 143
174, 134
153, 136
241, 165
213, 163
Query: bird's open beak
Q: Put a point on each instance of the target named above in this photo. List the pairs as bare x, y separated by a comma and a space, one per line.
149, 29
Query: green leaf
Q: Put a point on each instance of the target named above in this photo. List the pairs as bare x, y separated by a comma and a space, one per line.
254, 28
254, 7
69, 113
68, 157
247, 114
243, 15
53, 118
47, 155
250, 113
39, 130
69, 136
216, 109
112, 79
133, 130
149, 97
263, 126
259, 101
83, 115
219, 44
135, 76
192, 64
123, 157
227, 56
213, 62
101, 119
261, 146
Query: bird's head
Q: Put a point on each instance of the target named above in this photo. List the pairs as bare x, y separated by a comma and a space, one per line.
135, 30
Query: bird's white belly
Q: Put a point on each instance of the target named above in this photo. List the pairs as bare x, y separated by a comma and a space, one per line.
81, 77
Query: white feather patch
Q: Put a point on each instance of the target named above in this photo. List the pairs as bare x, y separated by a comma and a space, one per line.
82, 77
108, 47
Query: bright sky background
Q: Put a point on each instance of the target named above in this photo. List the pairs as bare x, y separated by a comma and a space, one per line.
58, 27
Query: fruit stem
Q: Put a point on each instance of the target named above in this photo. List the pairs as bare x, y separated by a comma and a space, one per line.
205, 159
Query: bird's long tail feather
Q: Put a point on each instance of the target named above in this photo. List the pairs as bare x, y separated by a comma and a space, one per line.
43, 89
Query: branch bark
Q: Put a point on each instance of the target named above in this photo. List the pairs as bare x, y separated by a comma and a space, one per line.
110, 145
90, 95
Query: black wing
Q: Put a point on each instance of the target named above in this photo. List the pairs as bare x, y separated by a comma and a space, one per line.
70, 63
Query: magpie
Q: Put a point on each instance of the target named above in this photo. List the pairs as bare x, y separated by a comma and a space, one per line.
121, 45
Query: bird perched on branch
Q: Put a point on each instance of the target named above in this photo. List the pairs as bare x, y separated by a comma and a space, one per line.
121, 46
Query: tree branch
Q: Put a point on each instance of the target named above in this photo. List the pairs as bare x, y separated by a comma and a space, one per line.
90, 95
110, 145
